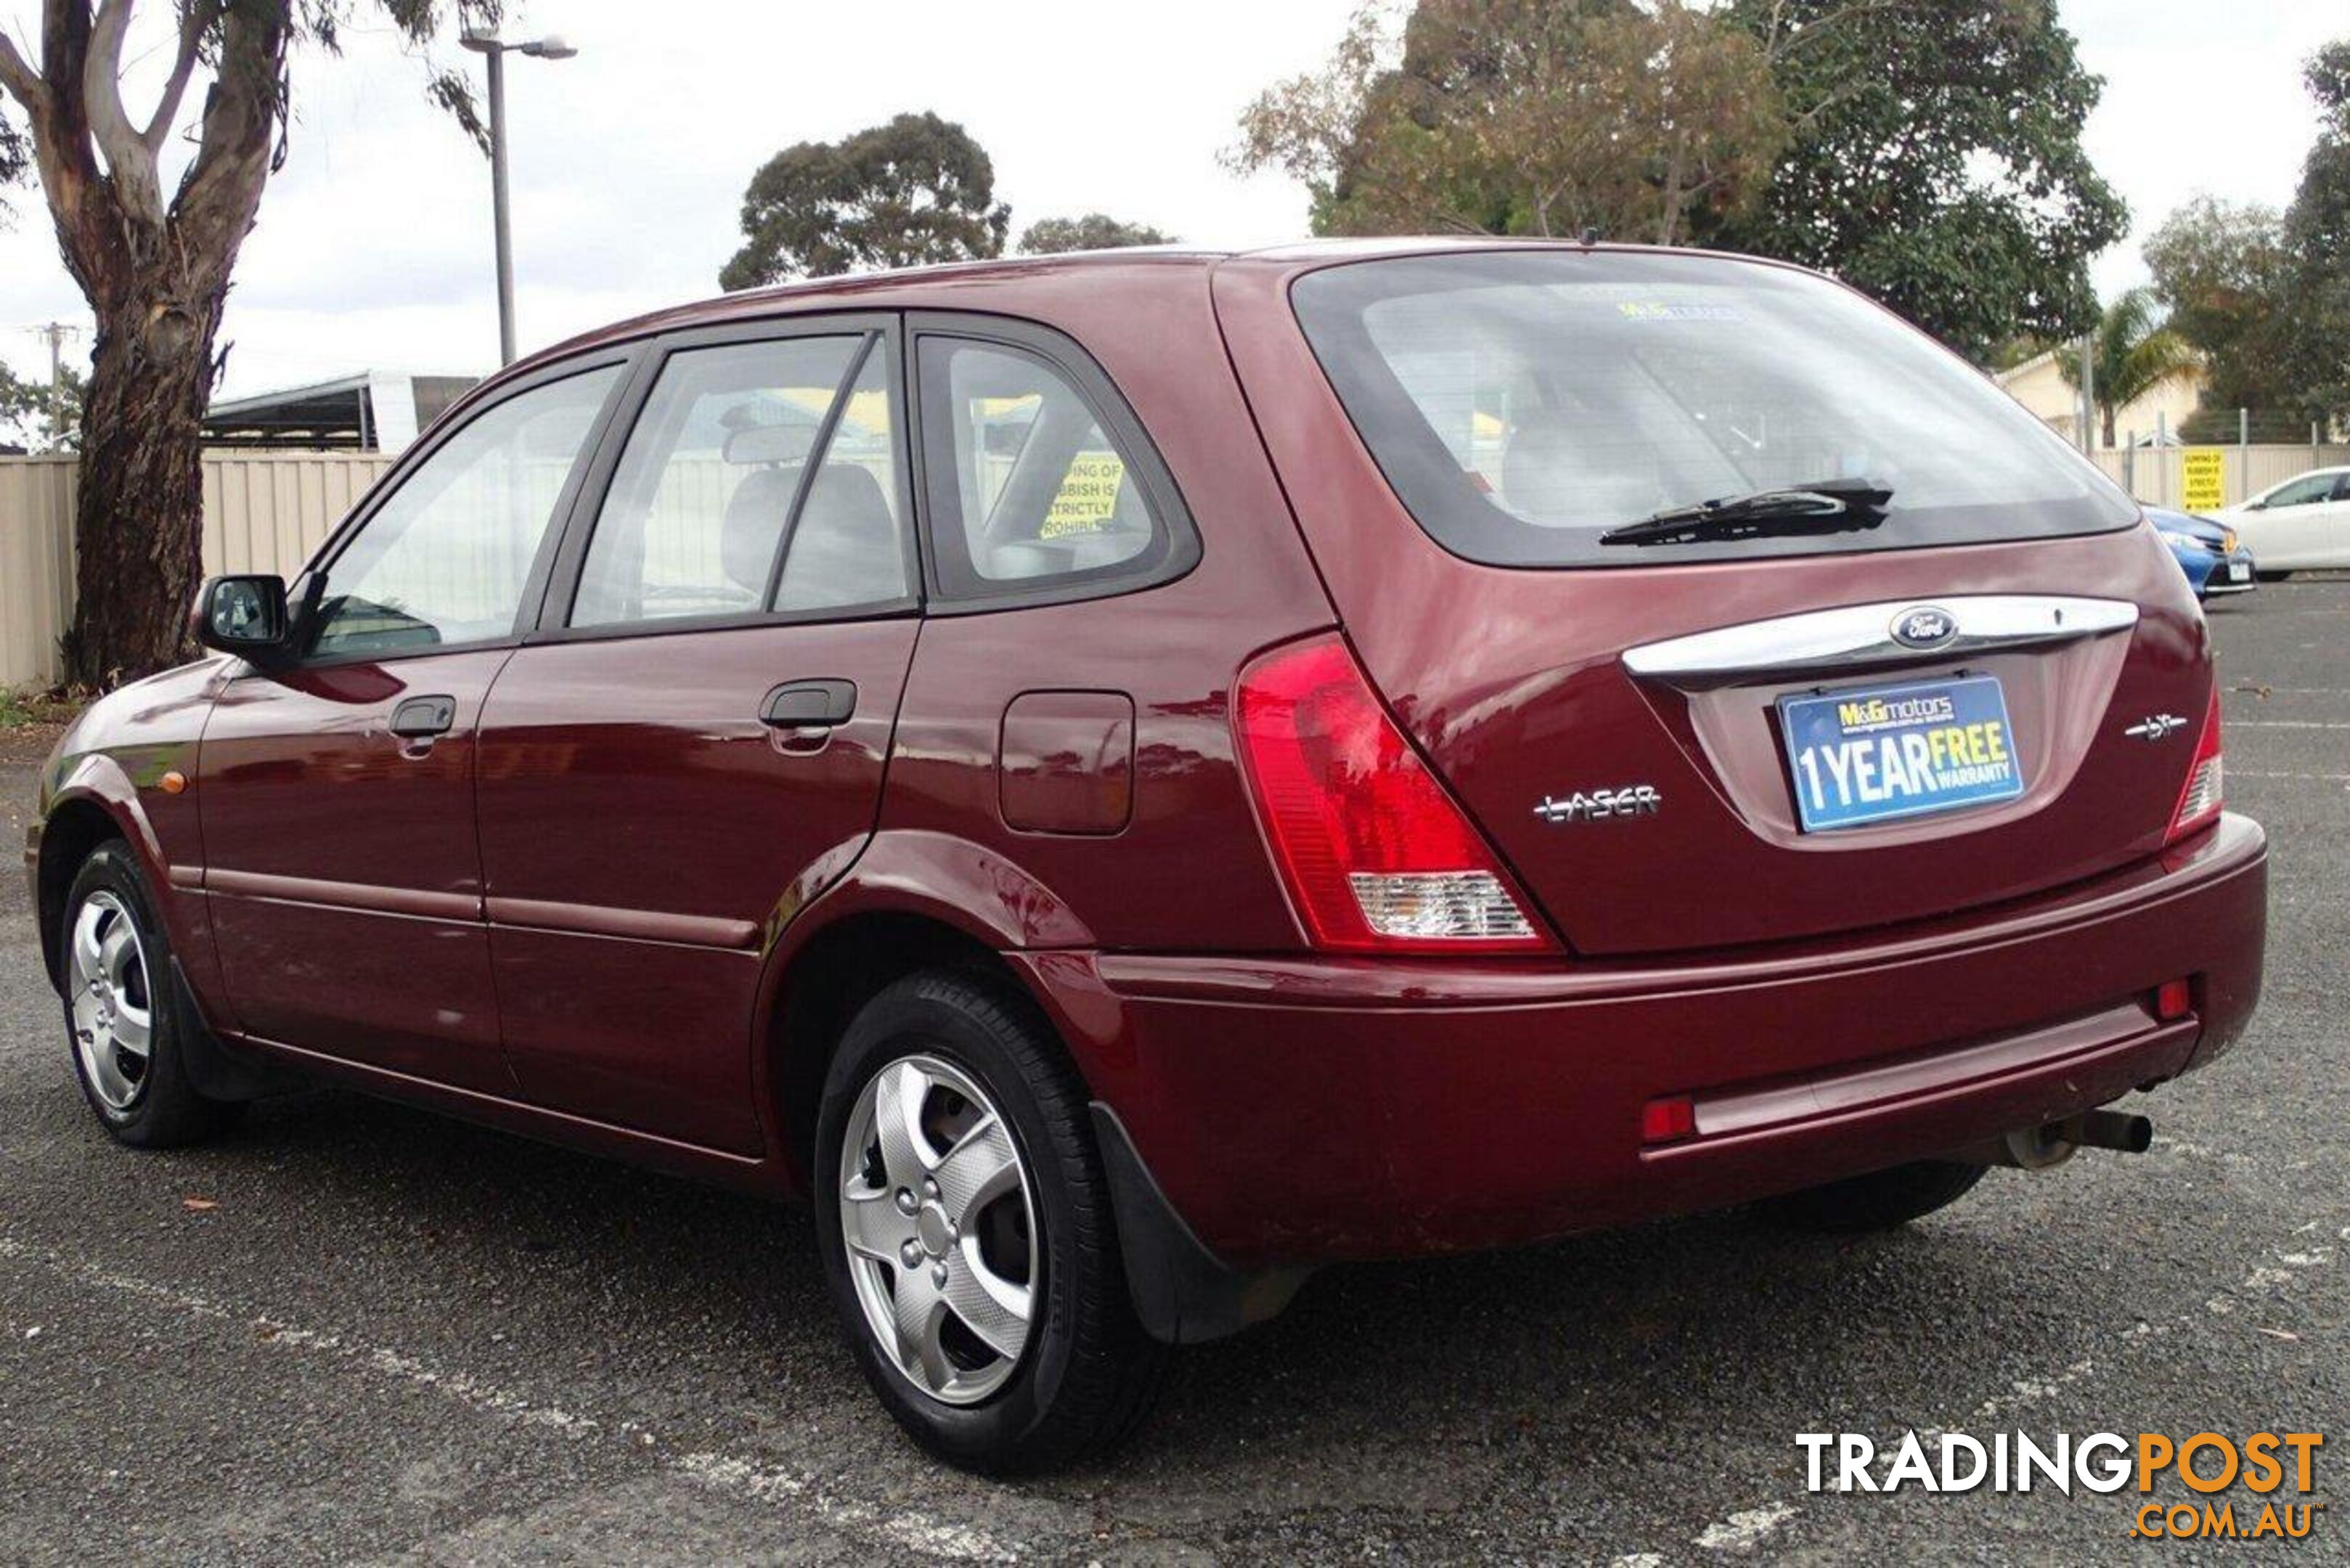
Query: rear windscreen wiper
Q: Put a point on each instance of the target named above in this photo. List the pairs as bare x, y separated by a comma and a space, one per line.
1830, 507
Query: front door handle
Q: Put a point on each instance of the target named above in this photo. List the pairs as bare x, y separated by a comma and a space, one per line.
809, 705
424, 717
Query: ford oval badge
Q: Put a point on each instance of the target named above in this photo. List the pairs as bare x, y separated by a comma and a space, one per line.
1924, 626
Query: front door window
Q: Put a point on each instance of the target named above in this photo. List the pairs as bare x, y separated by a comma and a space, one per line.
445, 559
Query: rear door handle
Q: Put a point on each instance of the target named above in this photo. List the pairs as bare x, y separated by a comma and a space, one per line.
809, 705
423, 718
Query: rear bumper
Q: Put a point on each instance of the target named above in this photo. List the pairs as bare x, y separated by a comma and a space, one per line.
1295, 1111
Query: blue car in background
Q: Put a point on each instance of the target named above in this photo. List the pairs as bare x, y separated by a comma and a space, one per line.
2213, 558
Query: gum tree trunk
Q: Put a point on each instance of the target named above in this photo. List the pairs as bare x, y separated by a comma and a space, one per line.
139, 519
156, 271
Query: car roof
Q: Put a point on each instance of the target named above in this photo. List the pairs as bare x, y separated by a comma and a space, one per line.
1019, 284
936, 285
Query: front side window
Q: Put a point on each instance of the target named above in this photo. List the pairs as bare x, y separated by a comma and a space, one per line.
445, 560
1027, 487
2302, 492
1523, 403
759, 476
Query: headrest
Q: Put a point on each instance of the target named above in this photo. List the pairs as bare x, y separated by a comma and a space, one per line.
753, 522
1538, 463
1565, 469
847, 550
846, 494
770, 443
845, 506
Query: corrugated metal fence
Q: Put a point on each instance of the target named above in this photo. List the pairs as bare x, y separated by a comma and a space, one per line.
263, 511
36, 567
267, 511
2156, 475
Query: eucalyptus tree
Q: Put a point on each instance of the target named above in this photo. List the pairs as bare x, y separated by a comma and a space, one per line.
152, 208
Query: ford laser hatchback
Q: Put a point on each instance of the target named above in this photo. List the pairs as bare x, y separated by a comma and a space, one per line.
1121, 779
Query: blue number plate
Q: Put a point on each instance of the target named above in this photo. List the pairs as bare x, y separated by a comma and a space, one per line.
1887, 751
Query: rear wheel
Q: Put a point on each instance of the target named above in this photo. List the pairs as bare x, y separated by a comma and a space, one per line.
123, 1017
1878, 1202
967, 1235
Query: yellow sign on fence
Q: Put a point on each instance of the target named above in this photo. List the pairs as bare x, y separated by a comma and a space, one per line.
2206, 472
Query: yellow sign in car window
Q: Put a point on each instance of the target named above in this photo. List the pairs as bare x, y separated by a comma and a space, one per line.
1088, 494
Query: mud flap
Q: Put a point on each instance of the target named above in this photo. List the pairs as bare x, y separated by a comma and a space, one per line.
1183, 1292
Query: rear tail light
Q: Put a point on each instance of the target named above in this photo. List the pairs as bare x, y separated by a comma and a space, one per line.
2198, 803
1375, 855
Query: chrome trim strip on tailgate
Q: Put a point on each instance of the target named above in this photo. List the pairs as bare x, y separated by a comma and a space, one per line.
1858, 636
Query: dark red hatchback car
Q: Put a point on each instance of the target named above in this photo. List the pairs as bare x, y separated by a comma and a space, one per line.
1126, 778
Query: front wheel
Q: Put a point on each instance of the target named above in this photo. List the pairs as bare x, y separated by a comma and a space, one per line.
967, 1235
1877, 1201
122, 1017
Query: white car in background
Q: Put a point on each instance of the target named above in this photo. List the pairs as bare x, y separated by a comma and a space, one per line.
2299, 524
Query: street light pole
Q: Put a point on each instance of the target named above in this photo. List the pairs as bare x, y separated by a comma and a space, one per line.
501, 215
494, 50
57, 332
2089, 392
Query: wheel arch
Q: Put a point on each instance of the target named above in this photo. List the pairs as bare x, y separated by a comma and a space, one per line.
830, 973
78, 820
905, 899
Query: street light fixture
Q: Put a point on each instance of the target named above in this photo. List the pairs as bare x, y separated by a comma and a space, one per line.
495, 49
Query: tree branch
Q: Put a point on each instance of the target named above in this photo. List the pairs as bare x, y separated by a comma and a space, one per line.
1790, 38
222, 188
65, 34
194, 23
129, 159
21, 80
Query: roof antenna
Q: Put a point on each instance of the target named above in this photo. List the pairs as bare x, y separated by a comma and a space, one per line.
1591, 235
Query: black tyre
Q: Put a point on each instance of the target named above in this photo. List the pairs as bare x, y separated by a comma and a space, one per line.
967, 1234
1878, 1202
124, 1028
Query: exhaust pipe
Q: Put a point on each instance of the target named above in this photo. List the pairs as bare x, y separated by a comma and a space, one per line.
2116, 1131
2046, 1146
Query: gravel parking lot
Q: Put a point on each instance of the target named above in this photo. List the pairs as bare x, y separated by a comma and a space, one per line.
356, 1332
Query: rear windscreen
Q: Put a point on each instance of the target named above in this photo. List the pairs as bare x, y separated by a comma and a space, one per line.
1522, 403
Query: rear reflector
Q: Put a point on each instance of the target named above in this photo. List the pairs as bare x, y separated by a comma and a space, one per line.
1375, 855
2199, 801
2173, 1000
1668, 1120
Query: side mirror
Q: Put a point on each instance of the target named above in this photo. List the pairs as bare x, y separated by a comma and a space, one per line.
245, 616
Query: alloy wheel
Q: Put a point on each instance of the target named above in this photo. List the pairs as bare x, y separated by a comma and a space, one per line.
112, 1000
938, 1218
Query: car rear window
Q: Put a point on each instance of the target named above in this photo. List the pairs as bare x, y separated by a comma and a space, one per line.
1522, 403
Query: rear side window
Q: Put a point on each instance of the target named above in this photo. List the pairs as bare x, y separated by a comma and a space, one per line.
1030, 489
1523, 403
759, 476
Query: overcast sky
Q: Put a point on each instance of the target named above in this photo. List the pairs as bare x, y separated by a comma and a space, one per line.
373, 249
